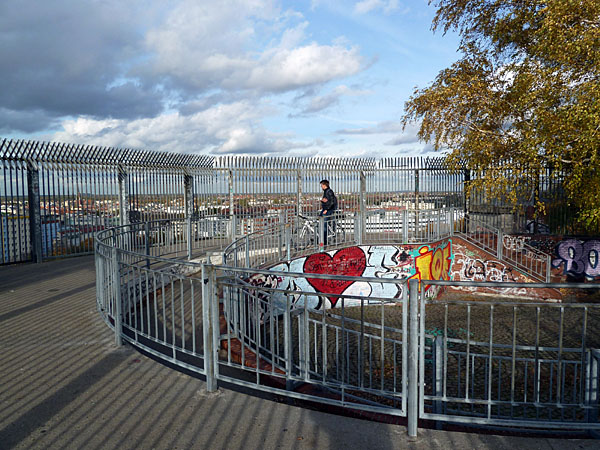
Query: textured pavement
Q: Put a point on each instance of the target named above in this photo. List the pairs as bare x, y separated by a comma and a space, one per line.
64, 384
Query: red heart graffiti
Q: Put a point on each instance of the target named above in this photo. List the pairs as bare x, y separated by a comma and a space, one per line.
349, 261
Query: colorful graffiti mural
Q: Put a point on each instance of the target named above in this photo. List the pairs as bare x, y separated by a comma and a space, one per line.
578, 258
425, 262
433, 263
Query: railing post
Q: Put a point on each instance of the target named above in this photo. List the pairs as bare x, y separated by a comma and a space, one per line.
117, 310
438, 364
358, 228
288, 241
208, 290
147, 242
189, 237
35, 219
405, 226
548, 269
451, 220
280, 240
321, 232
500, 243
302, 343
591, 386
247, 245
288, 351
413, 358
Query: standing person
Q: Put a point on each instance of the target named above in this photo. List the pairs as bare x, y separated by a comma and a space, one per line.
328, 206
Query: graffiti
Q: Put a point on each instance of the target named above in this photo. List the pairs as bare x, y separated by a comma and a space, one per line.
350, 261
579, 258
525, 246
467, 267
433, 263
376, 261
516, 243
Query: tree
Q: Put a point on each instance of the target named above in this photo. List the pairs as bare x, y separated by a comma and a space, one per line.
524, 97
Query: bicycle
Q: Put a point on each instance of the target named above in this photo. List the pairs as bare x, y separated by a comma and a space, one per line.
307, 235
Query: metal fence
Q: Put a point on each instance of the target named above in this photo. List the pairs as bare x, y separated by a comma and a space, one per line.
486, 362
54, 196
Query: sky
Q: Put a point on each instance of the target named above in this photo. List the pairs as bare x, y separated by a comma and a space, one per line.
254, 77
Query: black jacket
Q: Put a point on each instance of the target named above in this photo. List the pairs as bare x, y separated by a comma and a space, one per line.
331, 203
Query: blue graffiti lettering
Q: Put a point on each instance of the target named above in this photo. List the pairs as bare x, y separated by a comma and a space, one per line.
578, 257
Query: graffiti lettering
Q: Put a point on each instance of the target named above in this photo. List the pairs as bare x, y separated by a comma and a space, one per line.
433, 263
578, 257
515, 243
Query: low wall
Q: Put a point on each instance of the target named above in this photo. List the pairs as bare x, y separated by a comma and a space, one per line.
400, 262
448, 259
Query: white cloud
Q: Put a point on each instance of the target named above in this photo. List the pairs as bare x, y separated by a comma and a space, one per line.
232, 128
366, 6
319, 103
221, 46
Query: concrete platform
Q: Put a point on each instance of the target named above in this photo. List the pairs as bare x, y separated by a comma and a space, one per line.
64, 384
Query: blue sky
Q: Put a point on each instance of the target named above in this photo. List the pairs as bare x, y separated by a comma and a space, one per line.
269, 77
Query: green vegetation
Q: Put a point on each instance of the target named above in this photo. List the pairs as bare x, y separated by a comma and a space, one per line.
523, 99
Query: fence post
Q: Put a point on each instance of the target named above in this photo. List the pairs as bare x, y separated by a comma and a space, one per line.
362, 208
413, 358
591, 385
466, 199
123, 178
207, 327
118, 313
299, 193
417, 190
188, 200
548, 269
35, 219
231, 207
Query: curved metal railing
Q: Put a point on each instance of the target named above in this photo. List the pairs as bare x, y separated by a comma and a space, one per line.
173, 289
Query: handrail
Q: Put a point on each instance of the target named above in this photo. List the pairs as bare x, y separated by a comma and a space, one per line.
205, 322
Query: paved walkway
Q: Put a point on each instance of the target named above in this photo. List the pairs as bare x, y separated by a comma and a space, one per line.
64, 384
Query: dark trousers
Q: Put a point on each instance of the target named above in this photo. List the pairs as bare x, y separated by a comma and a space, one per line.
328, 223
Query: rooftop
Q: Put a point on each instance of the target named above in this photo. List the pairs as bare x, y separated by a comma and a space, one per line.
66, 385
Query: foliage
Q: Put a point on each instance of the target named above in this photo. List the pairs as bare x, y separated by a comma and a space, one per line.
524, 97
